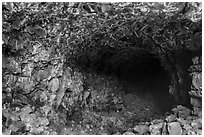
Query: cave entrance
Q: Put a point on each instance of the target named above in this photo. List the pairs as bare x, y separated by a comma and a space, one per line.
146, 78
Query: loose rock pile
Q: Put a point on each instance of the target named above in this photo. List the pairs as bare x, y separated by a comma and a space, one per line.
181, 122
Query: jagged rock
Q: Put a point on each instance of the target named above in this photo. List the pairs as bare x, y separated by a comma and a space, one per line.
141, 129
174, 128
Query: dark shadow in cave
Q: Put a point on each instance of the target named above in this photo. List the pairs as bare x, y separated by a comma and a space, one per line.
139, 72
148, 79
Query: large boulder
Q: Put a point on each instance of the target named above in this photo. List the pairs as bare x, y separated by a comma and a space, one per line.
174, 128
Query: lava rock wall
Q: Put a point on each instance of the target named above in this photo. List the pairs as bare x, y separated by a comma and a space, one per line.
38, 83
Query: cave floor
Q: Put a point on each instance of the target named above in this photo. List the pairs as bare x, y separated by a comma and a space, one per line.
135, 111
137, 108
142, 114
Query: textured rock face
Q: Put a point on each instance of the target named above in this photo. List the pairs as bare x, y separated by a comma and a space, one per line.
37, 83
196, 88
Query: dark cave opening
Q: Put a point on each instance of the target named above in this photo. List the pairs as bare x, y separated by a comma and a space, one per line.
146, 77
139, 72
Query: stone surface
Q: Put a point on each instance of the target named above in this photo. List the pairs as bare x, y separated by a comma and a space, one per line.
141, 129
174, 128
